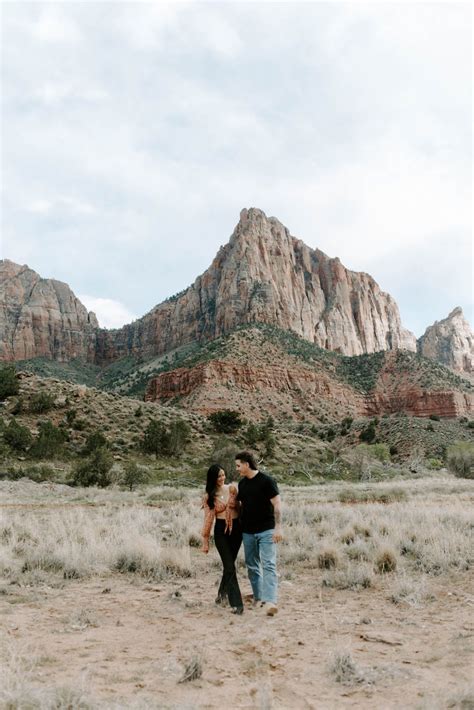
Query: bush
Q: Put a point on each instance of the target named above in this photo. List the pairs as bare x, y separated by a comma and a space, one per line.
434, 417
18, 437
160, 440
251, 435
226, 421
9, 385
460, 459
368, 433
41, 402
434, 464
379, 452
178, 437
95, 471
94, 441
49, 441
223, 453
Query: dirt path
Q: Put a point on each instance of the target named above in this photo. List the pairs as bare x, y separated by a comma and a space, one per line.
125, 639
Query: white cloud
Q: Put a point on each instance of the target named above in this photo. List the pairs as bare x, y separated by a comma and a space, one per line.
110, 313
53, 25
69, 205
140, 130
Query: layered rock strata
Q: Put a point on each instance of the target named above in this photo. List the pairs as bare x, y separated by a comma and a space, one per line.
283, 387
42, 318
450, 341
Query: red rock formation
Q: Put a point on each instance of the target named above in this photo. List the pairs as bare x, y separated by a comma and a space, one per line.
273, 388
42, 318
283, 386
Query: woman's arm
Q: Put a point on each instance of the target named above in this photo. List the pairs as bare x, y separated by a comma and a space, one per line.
209, 516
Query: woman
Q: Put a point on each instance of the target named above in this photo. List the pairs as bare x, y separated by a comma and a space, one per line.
220, 504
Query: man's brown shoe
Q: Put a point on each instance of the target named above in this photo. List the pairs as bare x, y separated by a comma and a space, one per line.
271, 609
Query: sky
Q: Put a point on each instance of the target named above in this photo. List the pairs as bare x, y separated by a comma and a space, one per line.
132, 134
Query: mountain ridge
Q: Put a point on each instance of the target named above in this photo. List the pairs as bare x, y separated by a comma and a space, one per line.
262, 275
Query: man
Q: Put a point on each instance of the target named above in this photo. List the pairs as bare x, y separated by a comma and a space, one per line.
261, 529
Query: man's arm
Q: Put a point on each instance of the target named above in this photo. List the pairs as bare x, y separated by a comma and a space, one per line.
276, 502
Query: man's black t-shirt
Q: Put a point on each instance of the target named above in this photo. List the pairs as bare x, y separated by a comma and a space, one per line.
255, 495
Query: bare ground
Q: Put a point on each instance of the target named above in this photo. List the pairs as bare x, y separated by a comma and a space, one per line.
127, 642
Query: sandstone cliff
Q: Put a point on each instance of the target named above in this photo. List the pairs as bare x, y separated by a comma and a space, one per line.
42, 318
256, 376
450, 341
264, 275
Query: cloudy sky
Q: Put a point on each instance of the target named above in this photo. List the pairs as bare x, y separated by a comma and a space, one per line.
134, 133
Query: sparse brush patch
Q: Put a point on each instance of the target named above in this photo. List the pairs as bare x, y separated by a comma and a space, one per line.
411, 591
328, 558
362, 530
348, 536
192, 669
344, 669
386, 560
389, 495
358, 551
353, 577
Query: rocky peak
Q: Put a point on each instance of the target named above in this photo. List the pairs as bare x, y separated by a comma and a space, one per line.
42, 317
450, 341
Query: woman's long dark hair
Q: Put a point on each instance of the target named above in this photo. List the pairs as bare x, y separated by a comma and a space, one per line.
211, 483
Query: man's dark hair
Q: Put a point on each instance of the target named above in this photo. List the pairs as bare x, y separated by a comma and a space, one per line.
248, 458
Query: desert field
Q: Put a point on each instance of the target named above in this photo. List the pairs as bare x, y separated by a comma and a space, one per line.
107, 602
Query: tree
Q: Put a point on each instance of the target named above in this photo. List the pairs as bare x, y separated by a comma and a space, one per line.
9, 385
178, 436
460, 459
368, 433
94, 441
251, 435
18, 437
226, 421
49, 441
155, 438
133, 475
95, 471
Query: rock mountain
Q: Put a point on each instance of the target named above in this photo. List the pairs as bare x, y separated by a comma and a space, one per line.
42, 318
262, 275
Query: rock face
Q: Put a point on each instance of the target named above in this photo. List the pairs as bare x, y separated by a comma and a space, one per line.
450, 341
266, 379
265, 275
42, 318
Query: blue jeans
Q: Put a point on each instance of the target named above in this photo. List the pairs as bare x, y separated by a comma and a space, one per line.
260, 558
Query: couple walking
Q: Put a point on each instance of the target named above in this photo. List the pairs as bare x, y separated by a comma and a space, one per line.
250, 513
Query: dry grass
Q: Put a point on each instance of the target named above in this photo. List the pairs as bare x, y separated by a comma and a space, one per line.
55, 541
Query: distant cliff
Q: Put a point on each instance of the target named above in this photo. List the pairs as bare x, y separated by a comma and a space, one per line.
42, 318
264, 275
450, 341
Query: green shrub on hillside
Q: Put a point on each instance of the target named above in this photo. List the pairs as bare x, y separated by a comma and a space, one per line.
460, 459
41, 402
94, 441
49, 441
226, 421
18, 437
95, 471
9, 385
160, 440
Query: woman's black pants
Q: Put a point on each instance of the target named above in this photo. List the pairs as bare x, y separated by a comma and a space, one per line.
228, 545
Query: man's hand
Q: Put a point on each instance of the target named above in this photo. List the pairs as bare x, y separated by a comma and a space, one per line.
277, 536
276, 502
